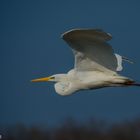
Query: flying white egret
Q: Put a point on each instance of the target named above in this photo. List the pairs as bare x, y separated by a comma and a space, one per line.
96, 64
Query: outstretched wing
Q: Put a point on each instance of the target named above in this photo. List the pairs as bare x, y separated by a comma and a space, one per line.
91, 50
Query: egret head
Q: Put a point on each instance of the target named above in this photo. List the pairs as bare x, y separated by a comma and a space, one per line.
53, 78
62, 85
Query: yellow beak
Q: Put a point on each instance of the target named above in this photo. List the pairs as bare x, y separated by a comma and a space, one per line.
41, 79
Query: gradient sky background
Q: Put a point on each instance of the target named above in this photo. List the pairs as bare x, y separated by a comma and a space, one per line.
30, 47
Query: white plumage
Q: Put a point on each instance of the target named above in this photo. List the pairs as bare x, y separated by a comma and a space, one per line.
96, 64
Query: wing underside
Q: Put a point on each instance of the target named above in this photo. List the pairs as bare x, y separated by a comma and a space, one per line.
91, 50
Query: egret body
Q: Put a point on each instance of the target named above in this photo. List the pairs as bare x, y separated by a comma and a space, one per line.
96, 64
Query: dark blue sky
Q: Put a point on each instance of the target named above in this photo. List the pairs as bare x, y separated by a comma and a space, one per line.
30, 47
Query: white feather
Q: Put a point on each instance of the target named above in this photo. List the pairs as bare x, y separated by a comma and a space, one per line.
119, 62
